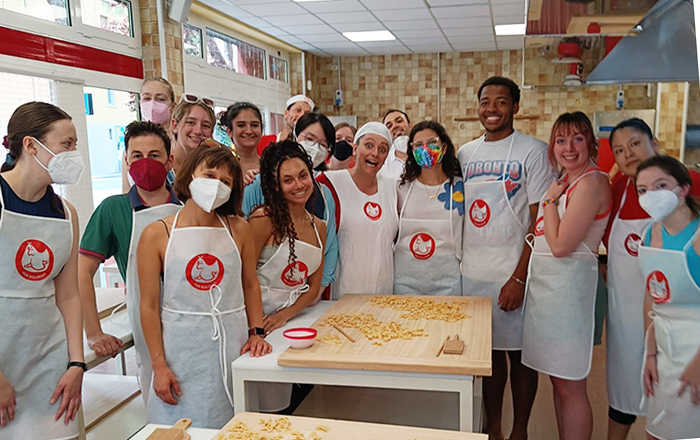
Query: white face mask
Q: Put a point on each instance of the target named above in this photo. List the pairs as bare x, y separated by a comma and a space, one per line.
660, 204
209, 194
316, 152
401, 144
64, 168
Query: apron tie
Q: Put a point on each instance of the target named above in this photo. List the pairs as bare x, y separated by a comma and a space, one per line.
293, 294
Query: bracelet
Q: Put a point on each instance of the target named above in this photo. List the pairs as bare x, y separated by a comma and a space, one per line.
651, 354
546, 202
517, 280
82, 365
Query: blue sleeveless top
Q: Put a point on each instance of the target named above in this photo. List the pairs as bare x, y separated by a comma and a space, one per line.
677, 243
50, 205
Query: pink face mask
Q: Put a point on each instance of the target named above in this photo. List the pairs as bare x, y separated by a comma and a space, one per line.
155, 111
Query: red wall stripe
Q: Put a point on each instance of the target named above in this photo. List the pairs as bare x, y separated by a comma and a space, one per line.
35, 47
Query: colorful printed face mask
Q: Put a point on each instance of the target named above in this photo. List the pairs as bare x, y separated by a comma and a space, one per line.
428, 154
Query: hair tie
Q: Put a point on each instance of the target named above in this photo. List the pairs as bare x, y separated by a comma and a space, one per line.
6, 142
9, 159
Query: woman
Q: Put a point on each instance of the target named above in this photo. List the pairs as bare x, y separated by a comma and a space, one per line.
208, 282
563, 272
429, 245
288, 245
243, 123
40, 311
315, 133
671, 270
366, 216
342, 155
193, 120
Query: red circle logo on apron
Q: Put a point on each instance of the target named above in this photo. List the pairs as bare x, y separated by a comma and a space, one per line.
657, 286
422, 246
539, 227
295, 273
479, 213
373, 211
34, 260
203, 271
632, 243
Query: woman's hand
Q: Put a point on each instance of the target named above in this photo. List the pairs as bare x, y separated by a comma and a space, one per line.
650, 375
691, 379
68, 389
8, 400
249, 176
275, 321
105, 345
556, 189
257, 346
166, 385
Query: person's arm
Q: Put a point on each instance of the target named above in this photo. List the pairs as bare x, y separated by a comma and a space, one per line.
591, 196
330, 249
150, 260
280, 318
103, 344
261, 226
251, 287
68, 302
8, 401
513, 291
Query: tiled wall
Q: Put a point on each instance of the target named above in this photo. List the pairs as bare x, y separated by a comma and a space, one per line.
694, 104
151, 45
373, 84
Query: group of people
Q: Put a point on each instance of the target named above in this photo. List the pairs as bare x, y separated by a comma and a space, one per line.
220, 247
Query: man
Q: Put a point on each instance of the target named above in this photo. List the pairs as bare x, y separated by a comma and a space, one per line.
114, 230
297, 106
505, 174
399, 126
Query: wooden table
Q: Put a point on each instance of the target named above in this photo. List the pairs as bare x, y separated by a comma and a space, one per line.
415, 355
338, 430
247, 370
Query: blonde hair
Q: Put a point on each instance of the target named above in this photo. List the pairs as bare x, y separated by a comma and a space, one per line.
163, 81
183, 108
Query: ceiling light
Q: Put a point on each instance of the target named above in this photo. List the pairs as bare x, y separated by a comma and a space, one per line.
302, 1
510, 29
361, 37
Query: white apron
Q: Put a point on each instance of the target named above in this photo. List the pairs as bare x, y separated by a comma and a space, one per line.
625, 328
559, 316
367, 228
427, 256
33, 345
676, 314
493, 241
281, 284
141, 219
204, 324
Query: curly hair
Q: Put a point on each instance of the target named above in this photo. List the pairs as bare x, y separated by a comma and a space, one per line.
275, 205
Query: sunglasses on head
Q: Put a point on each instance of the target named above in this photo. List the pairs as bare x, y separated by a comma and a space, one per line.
194, 99
211, 143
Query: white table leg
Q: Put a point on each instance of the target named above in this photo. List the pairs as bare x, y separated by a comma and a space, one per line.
81, 424
466, 406
121, 364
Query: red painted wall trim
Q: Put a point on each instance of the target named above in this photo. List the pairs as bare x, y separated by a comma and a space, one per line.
35, 47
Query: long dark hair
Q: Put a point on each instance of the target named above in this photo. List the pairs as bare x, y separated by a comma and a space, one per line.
275, 205
674, 168
226, 118
636, 124
449, 163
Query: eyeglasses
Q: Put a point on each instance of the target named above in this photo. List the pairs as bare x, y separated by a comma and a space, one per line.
434, 141
211, 143
194, 99
313, 138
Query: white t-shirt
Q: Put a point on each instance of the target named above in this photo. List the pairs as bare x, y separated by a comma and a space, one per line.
393, 166
530, 172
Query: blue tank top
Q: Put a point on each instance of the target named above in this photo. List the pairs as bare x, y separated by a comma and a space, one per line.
47, 206
677, 243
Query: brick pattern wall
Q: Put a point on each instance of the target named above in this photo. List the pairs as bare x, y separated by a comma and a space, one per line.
312, 74
373, 84
151, 45
670, 117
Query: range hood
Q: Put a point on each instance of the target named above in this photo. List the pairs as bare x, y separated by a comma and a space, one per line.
663, 49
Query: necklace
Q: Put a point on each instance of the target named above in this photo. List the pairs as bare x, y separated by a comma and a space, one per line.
431, 196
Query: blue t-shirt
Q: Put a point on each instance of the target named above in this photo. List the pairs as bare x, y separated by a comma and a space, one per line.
50, 205
677, 243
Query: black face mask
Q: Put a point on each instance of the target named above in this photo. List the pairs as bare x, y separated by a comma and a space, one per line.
343, 150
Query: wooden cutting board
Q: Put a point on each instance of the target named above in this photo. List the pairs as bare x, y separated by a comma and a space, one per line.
342, 430
177, 432
415, 355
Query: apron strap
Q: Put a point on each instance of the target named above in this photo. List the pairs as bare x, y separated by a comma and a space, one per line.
318, 237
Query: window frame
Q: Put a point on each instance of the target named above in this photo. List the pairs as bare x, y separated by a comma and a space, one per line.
286, 69
202, 41
206, 55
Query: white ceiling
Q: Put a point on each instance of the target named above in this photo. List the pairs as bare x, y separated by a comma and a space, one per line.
420, 26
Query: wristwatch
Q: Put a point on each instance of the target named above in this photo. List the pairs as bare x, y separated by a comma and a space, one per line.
256, 331
82, 365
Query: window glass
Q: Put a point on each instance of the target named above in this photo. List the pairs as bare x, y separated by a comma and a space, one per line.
278, 69
235, 55
51, 10
110, 15
192, 40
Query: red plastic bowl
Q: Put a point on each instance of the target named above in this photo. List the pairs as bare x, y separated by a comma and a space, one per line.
300, 337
